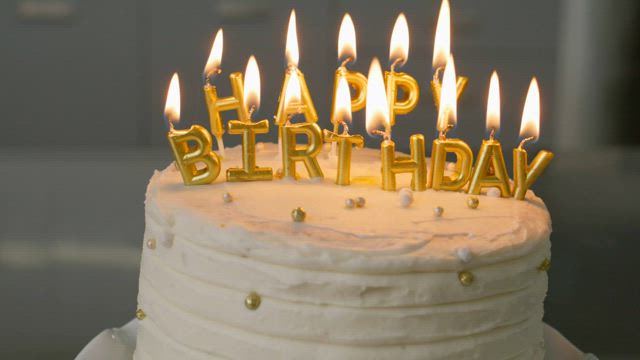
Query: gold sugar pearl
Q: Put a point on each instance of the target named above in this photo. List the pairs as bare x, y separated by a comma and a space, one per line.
545, 265
465, 277
151, 244
252, 301
360, 201
140, 315
227, 197
473, 202
298, 214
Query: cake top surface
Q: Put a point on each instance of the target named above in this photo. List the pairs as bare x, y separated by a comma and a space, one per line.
381, 236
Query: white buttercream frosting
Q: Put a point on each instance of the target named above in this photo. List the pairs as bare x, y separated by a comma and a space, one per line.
375, 282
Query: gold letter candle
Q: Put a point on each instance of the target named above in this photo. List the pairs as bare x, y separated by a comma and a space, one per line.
416, 165
249, 129
304, 103
524, 174
357, 81
197, 163
342, 116
216, 105
447, 116
292, 152
490, 169
441, 51
395, 81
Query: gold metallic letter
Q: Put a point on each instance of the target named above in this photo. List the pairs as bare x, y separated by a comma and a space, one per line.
345, 144
216, 105
187, 157
464, 157
410, 89
525, 175
249, 170
490, 170
416, 165
291, 152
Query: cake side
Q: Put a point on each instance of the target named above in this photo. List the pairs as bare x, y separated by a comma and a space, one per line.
366, 283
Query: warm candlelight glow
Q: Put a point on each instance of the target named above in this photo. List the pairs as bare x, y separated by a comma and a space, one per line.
493, 104
377, 108
292, 92
442, 43
530, 126
252, 85
292, 41
172, 105
447, 111
347, 39
215, 56
399, 49
342, 109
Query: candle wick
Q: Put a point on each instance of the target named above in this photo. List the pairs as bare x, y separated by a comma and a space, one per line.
346, 61
251, 111
492, 134
345, 127
525, 140
436, 74
171, 128
443, 133
208, 79
395, 63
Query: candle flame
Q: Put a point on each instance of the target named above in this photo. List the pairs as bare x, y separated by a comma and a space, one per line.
252, 85
530, 126
292, 53
447, 110
377, 108
215, 56
172, 105
493, 103
292, 94
442, 43
347, 39
399, 47
342, 109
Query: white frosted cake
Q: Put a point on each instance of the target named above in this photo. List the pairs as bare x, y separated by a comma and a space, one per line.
240, 280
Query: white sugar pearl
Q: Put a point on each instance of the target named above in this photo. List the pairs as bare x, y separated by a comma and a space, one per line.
438, 211
464, 254
350, 203
165, 238
406, 197
227, 197
493, 192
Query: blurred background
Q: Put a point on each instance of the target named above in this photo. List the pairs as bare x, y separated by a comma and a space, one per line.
82, 95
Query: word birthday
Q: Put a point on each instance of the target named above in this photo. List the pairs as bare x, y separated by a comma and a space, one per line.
382, 95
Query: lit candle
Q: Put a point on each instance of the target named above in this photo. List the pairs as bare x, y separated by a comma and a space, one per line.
524, 174
490, 169
377, 110
290, 151
347, 53
216, 105
395, 81
249, 129
342, 116
447, 117
304, 105
441, 51
197, 163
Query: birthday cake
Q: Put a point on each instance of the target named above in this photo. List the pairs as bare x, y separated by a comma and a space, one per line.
369, 274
